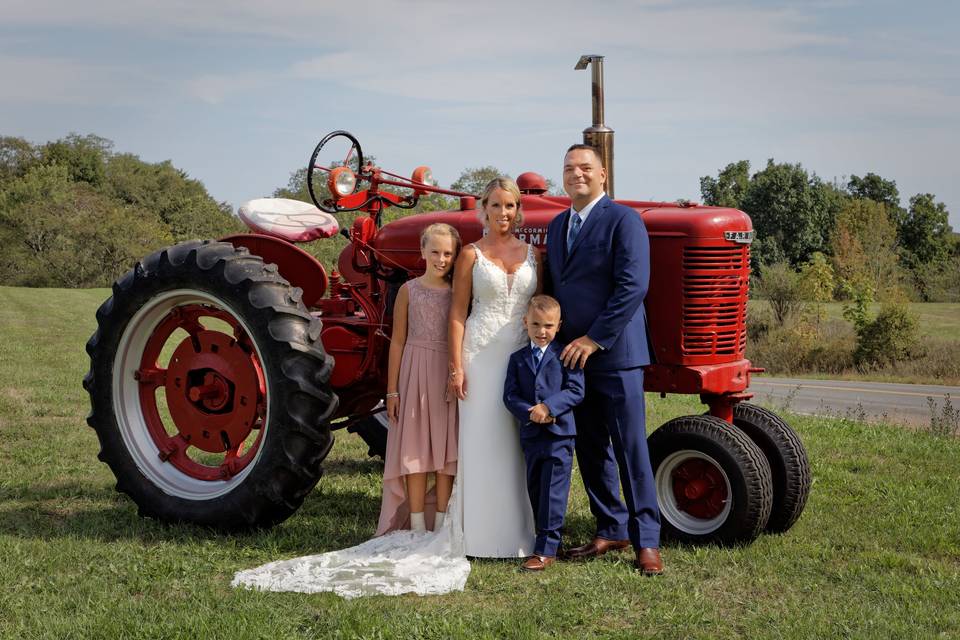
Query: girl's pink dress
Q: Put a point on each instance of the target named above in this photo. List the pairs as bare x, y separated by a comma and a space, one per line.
425, 438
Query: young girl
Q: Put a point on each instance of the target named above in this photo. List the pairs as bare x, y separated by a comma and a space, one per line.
423, 419
422, 440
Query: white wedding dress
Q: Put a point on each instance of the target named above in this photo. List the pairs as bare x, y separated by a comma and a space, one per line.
497, 516
430, 563
489, 513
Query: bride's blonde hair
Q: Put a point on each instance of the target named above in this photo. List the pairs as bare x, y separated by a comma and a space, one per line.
504, 183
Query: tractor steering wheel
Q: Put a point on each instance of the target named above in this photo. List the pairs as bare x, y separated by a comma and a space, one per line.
317, 175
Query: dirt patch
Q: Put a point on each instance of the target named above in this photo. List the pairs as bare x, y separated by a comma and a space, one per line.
15, 394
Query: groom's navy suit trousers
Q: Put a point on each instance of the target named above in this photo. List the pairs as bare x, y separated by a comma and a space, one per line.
601, 283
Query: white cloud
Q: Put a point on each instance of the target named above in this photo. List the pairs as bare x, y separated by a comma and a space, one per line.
216, 88
47, 80
724, 80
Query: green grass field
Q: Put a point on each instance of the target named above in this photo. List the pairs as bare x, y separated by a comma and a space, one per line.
876, 554
807, 348
934, 319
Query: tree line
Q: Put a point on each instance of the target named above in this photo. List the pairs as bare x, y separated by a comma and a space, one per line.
74, 213
855, 237
851, 241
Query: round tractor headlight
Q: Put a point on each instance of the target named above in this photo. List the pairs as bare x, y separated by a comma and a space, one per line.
422, 175
342, 181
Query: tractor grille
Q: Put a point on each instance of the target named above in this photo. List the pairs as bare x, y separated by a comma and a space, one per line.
715, 300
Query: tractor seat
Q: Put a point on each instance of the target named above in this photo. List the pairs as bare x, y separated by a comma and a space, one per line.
290, 220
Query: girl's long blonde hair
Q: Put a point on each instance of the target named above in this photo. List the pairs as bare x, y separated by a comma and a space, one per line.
442, 229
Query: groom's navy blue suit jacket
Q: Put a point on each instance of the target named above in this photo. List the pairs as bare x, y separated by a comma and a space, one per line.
601, 284
553, 384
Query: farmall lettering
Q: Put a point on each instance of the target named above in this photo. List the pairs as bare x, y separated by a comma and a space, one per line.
268, 350
536, 236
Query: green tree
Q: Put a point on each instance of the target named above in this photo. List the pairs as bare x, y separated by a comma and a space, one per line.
28, 227
864, 247
817, 282
17, 156
296, 188
99, 239
925, 233
73, 213
873, 187
939, 281
63, 233
792, 212
83, 156
554, 189
473, 180
729, 187
177, 200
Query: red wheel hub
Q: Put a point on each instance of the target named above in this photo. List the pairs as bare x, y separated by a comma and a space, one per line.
214, 391
699, 488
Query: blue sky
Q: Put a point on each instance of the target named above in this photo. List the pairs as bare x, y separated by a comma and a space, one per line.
237, 93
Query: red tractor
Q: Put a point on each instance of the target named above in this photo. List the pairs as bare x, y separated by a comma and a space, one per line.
219, 368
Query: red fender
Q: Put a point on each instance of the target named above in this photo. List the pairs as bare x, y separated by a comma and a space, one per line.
297, 266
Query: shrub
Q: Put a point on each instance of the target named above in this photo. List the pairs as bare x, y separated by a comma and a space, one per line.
833, 350
889, 338
817, 283
759, 323
944, 421
935, 359
780, 285
938, 282
802, 346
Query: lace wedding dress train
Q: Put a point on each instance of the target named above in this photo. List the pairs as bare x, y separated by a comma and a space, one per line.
431, 563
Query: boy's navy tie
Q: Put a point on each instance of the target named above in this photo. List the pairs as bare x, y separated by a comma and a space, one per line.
537, 357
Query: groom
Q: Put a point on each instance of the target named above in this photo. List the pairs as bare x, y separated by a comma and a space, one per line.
599, 268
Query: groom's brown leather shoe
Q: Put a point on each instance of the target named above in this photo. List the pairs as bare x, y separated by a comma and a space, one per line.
649, 561
537, 563
595, 548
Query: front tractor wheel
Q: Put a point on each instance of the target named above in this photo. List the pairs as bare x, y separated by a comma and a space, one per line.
208, 388
788, 462
713, 483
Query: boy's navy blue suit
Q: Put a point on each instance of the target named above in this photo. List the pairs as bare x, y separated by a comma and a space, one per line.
601, 283
547, 448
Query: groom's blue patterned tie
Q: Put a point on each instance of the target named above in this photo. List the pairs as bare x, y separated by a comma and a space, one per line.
575, 223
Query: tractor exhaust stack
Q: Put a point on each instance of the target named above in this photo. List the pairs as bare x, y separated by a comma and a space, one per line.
599, 135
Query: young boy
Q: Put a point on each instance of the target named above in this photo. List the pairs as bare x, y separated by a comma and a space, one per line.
540, 392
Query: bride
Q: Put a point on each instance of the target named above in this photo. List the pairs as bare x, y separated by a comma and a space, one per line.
489, 513
498, 275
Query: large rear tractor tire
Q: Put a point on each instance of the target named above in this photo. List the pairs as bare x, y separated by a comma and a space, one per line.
208, 388
713, 483
788, 462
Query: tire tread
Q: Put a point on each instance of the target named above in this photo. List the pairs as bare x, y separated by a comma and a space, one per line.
710, 434
300, 398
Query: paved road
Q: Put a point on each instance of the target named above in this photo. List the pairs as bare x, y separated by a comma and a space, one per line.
907, 404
